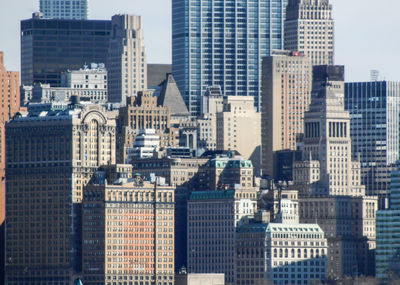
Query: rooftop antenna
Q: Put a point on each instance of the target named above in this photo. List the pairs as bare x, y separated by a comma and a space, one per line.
374, 75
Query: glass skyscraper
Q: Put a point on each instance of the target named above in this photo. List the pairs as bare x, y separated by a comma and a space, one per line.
64, 9
388, 231
222, 42
374, 108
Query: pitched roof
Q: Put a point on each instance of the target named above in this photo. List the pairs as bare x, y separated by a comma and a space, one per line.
170, 96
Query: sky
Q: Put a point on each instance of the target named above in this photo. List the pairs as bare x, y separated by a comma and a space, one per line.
366, 32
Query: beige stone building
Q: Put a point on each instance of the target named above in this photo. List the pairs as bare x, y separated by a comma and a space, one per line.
327, 166
128, 233
239, 128
126, 63
329, 183
286, 95
309, 28
50, 158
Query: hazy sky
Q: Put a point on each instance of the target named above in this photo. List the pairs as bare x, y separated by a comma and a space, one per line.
367, 31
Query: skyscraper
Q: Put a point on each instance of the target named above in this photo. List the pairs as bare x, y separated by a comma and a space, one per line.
374, 109
329, 181
10, 101
286, 96
327, 166
222, 42
309, 28
58, 9
50, 158
126, 64
52, 46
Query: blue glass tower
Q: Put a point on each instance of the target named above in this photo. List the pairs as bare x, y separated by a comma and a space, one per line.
222, 42
388, 231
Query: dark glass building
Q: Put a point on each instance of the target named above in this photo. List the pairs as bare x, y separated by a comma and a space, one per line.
374, 109
50, 46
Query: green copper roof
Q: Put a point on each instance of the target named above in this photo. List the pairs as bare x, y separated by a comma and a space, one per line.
212, 195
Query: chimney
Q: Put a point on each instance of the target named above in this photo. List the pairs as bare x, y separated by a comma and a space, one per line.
1, 58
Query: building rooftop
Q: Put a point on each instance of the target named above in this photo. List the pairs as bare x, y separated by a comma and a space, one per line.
212, 195
279, 228
170, 96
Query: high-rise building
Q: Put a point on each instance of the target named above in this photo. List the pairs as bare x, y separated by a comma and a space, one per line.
126, 64
309, 28
72, 10
327, 166
212, 220
239, 128
52, 46
128, 233
388, 230
10, 103
329, 182
50, 158
222, 43
286, 95
374, 109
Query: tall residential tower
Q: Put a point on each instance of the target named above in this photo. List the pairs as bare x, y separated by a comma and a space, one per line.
309, 28
222, 42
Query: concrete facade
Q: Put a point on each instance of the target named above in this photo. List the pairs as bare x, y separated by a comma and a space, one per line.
239, 128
